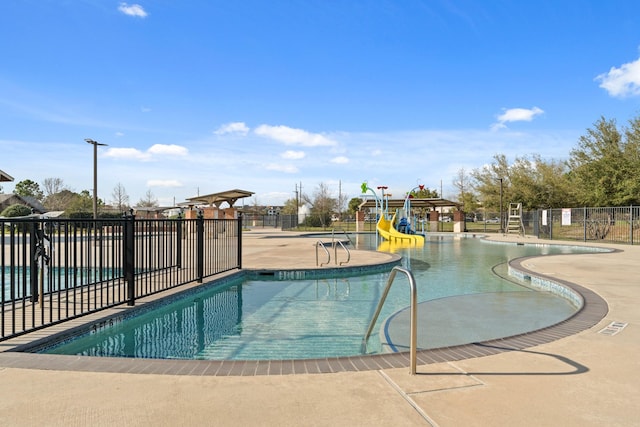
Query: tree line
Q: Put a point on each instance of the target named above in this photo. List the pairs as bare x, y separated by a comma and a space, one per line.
55, 196
603, 169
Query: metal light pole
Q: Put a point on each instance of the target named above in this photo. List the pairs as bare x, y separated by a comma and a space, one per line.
383, 187
95, 175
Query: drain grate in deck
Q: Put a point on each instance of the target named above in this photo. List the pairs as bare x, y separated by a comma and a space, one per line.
613, 328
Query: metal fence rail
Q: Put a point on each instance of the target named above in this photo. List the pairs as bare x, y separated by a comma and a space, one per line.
55, 270
608, 224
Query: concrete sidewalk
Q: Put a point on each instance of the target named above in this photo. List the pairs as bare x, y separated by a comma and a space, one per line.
588, 379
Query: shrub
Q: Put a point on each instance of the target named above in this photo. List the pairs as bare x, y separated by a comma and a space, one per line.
16, 210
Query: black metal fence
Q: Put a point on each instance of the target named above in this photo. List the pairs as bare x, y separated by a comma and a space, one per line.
606, 224
58, 269
304, 222
609, 224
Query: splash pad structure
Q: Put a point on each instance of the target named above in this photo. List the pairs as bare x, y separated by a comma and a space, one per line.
397, 219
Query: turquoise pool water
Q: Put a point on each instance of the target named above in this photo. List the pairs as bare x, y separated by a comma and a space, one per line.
297, 319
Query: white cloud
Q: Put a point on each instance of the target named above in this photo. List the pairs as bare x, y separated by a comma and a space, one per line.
340, 160
164, 183
516, 115
119, 134
623, 81
293, 155
132, 10
282, 168
292, 136
135, 154
126, 153
235, 127
170, 150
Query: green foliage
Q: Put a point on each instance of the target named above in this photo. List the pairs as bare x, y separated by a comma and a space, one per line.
605, 166
29, 188
80, 204
317, 220
15, 211
290, 207
425, 193
59, 201
529, 180
354, 204
80, 215
323, 205
466, 196
109, 215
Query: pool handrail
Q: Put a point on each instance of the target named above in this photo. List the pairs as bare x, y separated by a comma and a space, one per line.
319, 243
335, 253
413, 331
335, 247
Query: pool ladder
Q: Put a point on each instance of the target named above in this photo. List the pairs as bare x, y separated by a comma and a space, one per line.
413, 331
335, 244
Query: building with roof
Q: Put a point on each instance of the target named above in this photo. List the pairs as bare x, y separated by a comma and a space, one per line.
211, 205
5, 177
7, 200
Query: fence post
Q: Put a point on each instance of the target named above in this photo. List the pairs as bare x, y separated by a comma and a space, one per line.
179, 225
33, 265
584, 224
129, 257
631, 224
239, 234
200, 246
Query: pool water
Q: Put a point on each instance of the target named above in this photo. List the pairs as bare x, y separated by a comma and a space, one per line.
301, 319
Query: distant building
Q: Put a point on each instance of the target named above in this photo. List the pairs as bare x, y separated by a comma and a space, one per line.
274, 210
7, 200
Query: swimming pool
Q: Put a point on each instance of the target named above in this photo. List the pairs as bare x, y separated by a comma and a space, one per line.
250, 319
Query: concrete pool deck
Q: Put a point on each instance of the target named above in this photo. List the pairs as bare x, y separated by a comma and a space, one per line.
587, 379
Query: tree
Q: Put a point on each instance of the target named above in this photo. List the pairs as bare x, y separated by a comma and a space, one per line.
60, 201
290, 207
323, 205
466, 197
148, 201
354, 205
81, 203
341, 201
120, 198
423, 193
553, 189
15, 210
491, 181
605, 166
531, 181
56, 195
52, 186
29, 188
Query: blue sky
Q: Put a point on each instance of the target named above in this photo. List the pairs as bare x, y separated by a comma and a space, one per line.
201, 96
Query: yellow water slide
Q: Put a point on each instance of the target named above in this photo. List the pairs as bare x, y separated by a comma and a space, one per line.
388, 232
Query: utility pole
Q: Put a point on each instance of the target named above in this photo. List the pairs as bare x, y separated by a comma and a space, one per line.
297, 204
340, 199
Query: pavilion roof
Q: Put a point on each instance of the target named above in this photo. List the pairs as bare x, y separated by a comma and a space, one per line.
431, 203
214, 199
